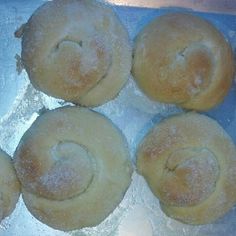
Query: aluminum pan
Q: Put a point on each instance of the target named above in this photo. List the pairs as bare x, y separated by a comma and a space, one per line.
220, 6
139, 213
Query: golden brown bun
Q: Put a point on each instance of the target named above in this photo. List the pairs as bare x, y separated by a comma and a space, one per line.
76, 50
9, 186
182, 59
189, 162
74, 168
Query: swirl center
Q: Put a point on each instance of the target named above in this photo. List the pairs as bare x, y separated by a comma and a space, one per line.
71, 171
80, 63
189, 177
191, 66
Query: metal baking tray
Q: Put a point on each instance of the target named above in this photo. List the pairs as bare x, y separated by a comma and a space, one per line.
139, 213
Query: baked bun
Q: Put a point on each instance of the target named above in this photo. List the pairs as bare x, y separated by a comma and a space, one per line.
182, 59
9, 184
76, 50
74, 168
189, 163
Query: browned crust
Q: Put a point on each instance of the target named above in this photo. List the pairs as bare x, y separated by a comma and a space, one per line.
189, 131
54, 49
180, 58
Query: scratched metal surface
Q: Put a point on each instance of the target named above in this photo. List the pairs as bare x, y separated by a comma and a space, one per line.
220, 6
139, 213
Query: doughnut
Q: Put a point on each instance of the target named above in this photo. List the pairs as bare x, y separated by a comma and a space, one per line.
76, 50
182, 59
189, 163
74, 167
10, 186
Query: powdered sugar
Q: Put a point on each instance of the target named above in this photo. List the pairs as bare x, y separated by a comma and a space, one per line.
195, 172
71, 172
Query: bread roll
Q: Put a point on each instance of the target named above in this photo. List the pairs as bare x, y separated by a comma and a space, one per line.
9, 184
76, 50
182, 59
189, 162
74, 168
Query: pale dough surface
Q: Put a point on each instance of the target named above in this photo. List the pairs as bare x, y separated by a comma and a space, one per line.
76, 50
74, 167
9, 186
189, 162
182, 59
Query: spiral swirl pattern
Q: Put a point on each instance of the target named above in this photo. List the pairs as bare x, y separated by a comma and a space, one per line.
76, 50
182, 59
189, 162
74, 168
